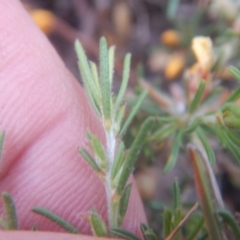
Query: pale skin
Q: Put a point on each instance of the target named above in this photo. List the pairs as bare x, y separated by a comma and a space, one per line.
45, 115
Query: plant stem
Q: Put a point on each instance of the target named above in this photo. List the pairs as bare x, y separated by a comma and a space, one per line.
112, 208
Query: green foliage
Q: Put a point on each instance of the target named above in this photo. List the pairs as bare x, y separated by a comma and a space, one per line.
56, 219
98, 226
231, 222
113, 165
10, 222
197, 98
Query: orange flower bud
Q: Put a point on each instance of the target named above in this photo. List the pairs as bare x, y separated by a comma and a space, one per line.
170, 38
44, 19
174, 66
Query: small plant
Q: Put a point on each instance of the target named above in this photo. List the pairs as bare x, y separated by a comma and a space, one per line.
111, 161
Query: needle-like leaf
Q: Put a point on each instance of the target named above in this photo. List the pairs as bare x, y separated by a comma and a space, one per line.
132, 113
197, 98
10, 210
125, 77
229, 219
90, 160
111, 62
56, 219
105, 80
206, 145
123, 205
133, 153
98, 225
122, 233
235, 72
172, 159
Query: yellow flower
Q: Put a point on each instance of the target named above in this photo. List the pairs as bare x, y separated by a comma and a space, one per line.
202, 48
174, 66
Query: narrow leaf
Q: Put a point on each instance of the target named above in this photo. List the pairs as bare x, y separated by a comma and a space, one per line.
172, 9
167, 221
231, 221
204, 195
111, 62
98, 150
95, 106
125, 77
118, 160
95, 75
151, 234
122, 233
172, 159
176, 195
119, 118
163, 132
206, 145
133, 153
197, 98
98, 225
196, 229
132, 113
56, 219
104, 76
123, 205
86, 72
234, 96
235, 72
2, 134
89, 159
180, 224
193, 125
10, 210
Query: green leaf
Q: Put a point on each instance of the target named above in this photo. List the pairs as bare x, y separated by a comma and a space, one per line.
94, 71
206, 145
86, 74
196, 229
111, 62
193, 125
132, 113
89, 159
163, 132
11, 222
118, 160
123, 205
232, 144
197, 98
119, 118
93, 103
104, 76
56, 219
2, 135
204, 195
231, 221
235, 72
234, 96
98, 225
125, 77
172, 8
122, 233
151, 234
167, 222
98, 150
176, 195
133, 153
172, 159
